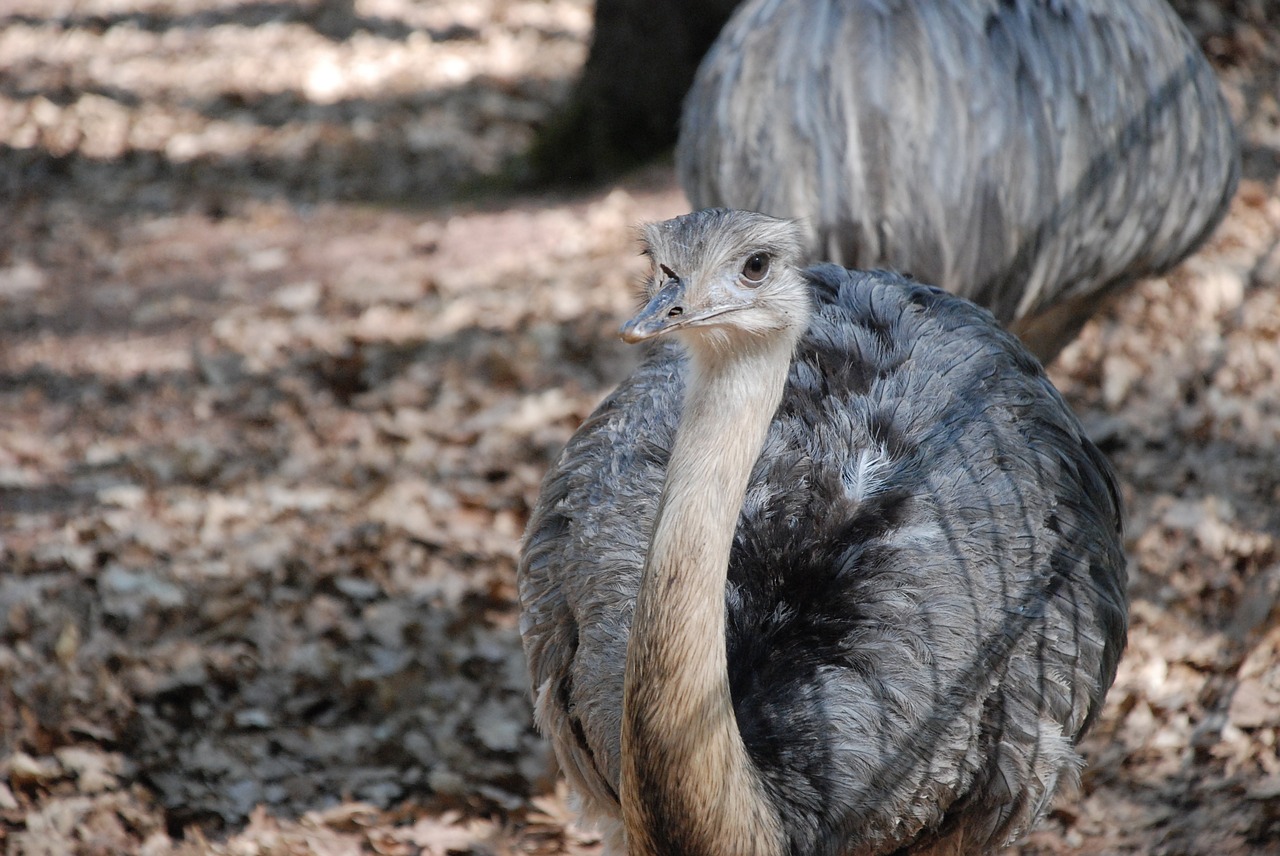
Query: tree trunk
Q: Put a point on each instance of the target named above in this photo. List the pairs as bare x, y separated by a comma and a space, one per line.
626, 106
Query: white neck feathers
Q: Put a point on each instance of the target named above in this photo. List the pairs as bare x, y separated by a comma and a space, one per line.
687, 782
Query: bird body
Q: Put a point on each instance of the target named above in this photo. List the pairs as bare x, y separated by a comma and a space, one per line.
841, 577
1031, 155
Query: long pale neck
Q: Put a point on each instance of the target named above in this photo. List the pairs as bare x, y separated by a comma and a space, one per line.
688, 785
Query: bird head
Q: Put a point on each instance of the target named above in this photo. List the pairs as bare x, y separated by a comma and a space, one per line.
720, 276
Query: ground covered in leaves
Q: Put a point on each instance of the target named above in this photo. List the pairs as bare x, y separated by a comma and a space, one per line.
278, 385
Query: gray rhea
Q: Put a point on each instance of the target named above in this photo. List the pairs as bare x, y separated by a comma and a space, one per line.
834, 571
1033, 156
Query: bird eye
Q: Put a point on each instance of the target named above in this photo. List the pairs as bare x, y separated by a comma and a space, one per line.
756, 268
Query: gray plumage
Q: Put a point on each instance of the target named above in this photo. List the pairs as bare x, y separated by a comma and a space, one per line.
926, 592
1031, 155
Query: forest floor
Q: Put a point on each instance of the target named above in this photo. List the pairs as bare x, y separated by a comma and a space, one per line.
276, 395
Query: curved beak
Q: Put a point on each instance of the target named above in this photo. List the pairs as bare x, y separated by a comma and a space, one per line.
665, 311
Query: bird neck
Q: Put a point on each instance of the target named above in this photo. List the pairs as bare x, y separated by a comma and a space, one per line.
688, 785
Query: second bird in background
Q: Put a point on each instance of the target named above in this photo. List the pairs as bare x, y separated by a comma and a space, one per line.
1035, 157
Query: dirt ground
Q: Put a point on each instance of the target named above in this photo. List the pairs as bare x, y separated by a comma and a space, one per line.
282, 363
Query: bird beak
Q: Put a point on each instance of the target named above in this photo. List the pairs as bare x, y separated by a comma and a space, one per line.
665, 311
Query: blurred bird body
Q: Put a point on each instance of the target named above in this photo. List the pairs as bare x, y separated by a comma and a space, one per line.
920, 600
1031, 155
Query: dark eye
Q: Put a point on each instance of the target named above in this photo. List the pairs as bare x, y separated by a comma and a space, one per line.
756, 267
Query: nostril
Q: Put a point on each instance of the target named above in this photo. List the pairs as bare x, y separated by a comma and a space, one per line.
676, 311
